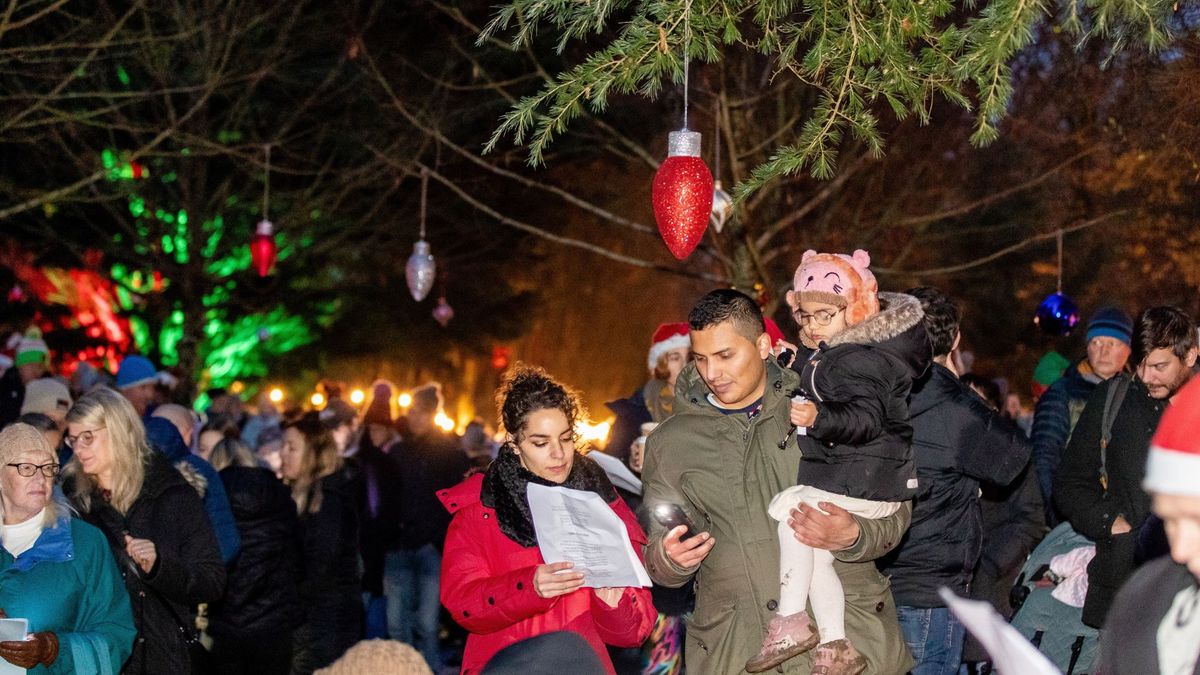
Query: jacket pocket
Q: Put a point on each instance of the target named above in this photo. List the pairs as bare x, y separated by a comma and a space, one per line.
705, 630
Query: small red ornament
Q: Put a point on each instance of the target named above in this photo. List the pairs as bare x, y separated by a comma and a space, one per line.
683, 194
262, 248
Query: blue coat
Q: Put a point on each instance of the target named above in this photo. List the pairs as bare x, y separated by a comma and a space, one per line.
165, 438
68, 583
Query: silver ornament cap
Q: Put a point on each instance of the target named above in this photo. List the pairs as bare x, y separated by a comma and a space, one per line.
683, 143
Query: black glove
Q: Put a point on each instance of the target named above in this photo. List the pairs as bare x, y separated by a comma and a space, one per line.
39, 649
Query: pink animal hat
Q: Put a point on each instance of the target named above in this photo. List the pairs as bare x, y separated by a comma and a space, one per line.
838, 279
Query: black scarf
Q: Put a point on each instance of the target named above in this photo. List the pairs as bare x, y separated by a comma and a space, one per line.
504, 490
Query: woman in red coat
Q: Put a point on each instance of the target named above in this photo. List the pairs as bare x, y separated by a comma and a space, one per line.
494, 581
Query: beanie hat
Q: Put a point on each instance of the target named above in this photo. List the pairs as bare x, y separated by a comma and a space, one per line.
773, 331
31, 349
427, 396
135, 370
1173, 466
380, 409
337, 413
19, 437
45, 395
379, 657
667, 336
1111, 322
841, 280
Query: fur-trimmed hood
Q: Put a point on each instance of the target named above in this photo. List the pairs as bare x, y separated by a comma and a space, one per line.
895, 328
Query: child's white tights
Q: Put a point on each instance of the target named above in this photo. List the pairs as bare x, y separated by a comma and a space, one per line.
806, 575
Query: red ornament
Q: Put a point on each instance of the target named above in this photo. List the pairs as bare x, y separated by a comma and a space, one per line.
683, 194
262, 248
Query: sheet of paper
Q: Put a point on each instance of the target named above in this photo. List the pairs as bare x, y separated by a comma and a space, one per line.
12, 629
618, 473
579, 527
1011, 653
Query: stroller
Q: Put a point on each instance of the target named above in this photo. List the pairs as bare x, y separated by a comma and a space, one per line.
1054, 627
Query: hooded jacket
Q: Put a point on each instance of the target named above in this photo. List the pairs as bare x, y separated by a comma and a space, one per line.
188, 569
487, 585
164, 437
723, 470
1054, 419
860, 443
958, 442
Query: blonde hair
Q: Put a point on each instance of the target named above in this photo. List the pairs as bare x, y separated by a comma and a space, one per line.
319, 459
18, 438
231, 452
103, 407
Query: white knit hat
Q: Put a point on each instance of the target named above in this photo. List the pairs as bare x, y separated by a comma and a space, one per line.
1174, 463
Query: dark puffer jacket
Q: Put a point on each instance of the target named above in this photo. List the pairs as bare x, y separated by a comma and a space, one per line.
957, 443
188, 571
859, 445
330, 586
261, 597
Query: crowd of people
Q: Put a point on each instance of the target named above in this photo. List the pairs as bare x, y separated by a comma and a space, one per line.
827, 484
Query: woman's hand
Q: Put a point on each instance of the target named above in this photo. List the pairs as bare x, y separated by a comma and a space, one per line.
142, 551
611, 596
780, 347
550, 580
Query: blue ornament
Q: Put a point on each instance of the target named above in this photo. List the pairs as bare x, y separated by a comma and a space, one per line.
1057, 315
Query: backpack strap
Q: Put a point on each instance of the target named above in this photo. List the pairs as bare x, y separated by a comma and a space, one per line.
1112, 405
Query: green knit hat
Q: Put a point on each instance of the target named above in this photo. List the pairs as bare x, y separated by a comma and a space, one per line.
31, 349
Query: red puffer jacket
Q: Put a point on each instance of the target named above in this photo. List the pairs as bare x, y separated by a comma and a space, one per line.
487, 584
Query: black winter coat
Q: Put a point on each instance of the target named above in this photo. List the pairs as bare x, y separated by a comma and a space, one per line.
428, 463
1138, 611
330, 588
1089, 508
262, 597
859, 445
957, 443
381, 524
188, 571
12, 396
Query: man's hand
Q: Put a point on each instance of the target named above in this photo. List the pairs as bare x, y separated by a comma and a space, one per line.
803, 414
828, 526
1121, 526
551, 581
688, 553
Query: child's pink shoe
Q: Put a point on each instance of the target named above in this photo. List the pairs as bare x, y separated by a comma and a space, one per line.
838, 657
787, 636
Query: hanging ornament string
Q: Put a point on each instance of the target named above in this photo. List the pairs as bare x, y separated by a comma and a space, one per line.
424, 190
687, 38
267, 183
1060, 259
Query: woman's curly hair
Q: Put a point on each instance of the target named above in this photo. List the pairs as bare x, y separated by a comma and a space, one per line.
527, 389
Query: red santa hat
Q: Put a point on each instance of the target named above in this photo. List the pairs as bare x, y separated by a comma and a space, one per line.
668, 336
1174, 463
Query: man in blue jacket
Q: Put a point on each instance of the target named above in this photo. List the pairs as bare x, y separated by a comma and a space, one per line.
164, 437
958, 442
1108, 339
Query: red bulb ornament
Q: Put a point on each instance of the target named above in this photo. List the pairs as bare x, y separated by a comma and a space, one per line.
683, 194
262, 248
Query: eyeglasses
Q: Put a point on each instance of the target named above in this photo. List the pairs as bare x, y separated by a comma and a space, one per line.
27, 470
83, 439
822, 317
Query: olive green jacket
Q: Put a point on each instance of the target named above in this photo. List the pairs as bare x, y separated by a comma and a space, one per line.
723, 470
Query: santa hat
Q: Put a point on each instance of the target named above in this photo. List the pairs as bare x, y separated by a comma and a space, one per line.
668, 336
1174, 463
31, 349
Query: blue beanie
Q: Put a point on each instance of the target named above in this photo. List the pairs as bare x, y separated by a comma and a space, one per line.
1111, 322
135, 370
